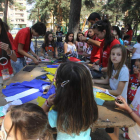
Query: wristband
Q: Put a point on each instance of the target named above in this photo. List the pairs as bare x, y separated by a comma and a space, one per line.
100, 69
10, 53
46, 103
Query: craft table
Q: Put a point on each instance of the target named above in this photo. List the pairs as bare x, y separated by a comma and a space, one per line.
109, 116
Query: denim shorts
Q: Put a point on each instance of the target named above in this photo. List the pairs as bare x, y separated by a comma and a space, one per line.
18, 65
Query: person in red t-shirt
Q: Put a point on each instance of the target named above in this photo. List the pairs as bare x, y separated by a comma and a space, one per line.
6, 53
95, 52
93, 18
134, 82
22, 44
102, 30
129, 32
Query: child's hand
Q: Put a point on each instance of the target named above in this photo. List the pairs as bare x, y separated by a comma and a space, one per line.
5, 47
51, 99
96, 67
38, 58
124, 105
83, 38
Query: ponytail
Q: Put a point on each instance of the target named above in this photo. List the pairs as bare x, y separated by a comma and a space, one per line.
104, 25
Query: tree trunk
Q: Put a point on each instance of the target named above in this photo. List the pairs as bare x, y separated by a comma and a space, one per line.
5, 10
74, 19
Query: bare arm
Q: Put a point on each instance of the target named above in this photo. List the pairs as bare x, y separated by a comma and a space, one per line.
134, 50
119, 90
21, 51
65, 48
94, 42
56, 52
10, 52
91, 41
103, 81
96, 67
46, 106
128, 109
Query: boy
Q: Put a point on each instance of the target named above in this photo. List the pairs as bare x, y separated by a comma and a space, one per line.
22, 44
59, 34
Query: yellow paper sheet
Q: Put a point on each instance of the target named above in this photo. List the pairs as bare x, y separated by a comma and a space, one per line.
105, 97
40, 101
51, 70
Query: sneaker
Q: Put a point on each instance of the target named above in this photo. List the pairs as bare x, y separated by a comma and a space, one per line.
125, 135
124, 129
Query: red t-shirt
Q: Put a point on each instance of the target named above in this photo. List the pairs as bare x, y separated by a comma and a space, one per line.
10, 37
8, 65
23, 37
95, 53
130, 33
106, 53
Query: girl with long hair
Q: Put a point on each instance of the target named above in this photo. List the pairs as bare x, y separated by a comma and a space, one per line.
69, 46
6, 53
49, 46
102, 30
24, 122
75, 109
117, 78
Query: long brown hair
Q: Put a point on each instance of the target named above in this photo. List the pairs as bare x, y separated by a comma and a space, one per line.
30, 120
4, 38
110, 64
74, 102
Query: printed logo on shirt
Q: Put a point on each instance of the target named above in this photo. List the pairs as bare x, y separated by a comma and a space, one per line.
105, 54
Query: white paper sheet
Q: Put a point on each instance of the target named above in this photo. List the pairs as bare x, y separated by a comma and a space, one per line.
16, 102
21, 95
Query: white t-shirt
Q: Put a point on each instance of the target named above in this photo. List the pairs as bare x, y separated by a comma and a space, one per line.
136, 55
123, 76
134, 132
72, 48
82, 45
32, 47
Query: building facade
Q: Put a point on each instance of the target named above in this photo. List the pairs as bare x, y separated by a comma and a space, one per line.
17, 17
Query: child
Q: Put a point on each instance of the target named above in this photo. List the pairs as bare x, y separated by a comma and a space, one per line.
69, 46
81, 46
59, 35
95, 51
129, 32
118, 77
6, 53
102, 30
74, 106
134, 82
117, 34
22, 122
126, 40
48, 48
135, 53
134, 112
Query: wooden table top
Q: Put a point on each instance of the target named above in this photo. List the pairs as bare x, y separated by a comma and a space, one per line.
109, 116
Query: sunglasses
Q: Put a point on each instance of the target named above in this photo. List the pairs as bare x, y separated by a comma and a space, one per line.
96, 25
134, 66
